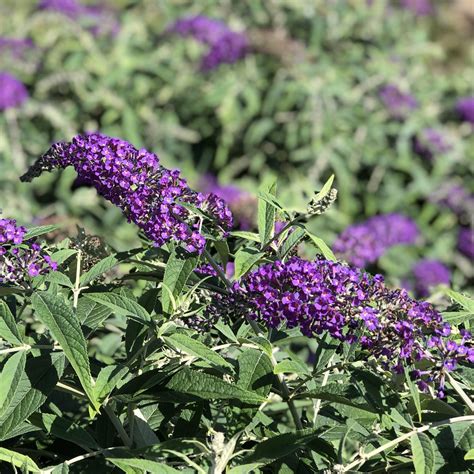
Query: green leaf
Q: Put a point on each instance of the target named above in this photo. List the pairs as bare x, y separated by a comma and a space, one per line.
288, 366
266, 211
66, 330
177, 272
465, 301
324, 191
291, 241
108, 378
39, 230
469, 455
451, 445
120, 304
91, 314
62, 255
10, 378
36, 383
246, 235
245, 259
144, 464
244, 468
209, 387
98, 269
325, 250
457, 317
415, 393
59, 278
423, 453
8, 328
18, 460
255, 371
196, 348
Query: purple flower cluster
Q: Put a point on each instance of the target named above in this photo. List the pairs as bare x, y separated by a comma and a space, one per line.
15, 46
466, 241
429, 143
361, 244
418, 7
225, 45
19, 258
457, 199
398, 103
12, 92
147, 193
353, 307
428, 274
208, 270
242, 204
69, 8
465, 109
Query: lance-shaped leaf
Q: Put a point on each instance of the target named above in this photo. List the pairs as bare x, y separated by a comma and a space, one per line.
10, 378
245, 259
8, 328
423, 452
18, 460
120, 304
64, 326
98, 269
325, 250
267, 211
39, 230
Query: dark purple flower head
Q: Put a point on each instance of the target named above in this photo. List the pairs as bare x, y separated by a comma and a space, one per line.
398, 103
329, 297
242, 204
15, 46
457, 199
361, 244
148, 194
12, 92
429, 143
418, 7
465, 108
466, 242
225, 45
428, 274
20, 259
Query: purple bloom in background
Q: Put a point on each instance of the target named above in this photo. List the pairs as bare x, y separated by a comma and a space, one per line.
418, 7
429, 143
69, 8
429, 273
20, 259
12, 92
242, 204
361, 244
225, 45
15, 46
466, 242
353, 307
146, 192
398, 103
457, 199
465, 109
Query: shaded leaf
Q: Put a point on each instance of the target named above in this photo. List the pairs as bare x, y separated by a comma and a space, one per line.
8, 328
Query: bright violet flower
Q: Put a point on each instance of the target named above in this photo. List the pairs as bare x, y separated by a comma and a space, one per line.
148, 194
12, 92
20, 258
429, 143
69, 8
418, 7
353, 307
466, 242
398, 103
428, 274
364, 243
225, 45
465, 109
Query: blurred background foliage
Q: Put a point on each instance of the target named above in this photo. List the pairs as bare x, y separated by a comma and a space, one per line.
305, 104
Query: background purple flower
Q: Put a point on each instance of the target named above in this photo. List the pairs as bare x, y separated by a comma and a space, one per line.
466, 241
361, 244
465, 109
147, 193
12, 92
457, 199
20, 259
242, 204
398, 103
15, 46
418, 7
70, 8
429, 273
429, 143
225, 45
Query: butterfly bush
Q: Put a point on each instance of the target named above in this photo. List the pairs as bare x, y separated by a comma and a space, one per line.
364, 243
20, 259
429, 273
242, 204
146, 192
12, 92
465, 109
429, 143
466, 241
322, 296
225, 45
398, 103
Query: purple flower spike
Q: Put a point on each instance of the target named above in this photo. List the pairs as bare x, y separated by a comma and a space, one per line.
429, 273
398, 103
429, 143
20, 259
465, 109
147, 193
12, 92
418, 7
364, 243
353, 307
466, 242
225, 45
